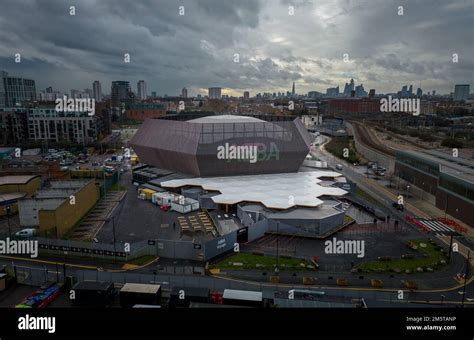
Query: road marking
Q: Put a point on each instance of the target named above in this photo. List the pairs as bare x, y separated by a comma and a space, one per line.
268, 284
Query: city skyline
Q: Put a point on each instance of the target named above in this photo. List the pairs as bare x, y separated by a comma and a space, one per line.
244, 46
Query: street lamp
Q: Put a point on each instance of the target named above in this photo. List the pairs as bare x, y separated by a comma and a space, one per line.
113, 231
466, 276
406, 199
277, 268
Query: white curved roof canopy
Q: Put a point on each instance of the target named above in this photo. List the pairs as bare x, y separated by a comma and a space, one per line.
277, 191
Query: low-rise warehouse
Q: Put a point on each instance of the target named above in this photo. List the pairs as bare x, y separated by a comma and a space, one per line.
28, 184
60, 207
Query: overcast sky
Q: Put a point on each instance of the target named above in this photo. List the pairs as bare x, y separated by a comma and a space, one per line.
197, 50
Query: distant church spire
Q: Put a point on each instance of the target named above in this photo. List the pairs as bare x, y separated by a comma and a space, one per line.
293, 89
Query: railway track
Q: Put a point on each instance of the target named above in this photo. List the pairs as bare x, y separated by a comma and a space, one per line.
370, 141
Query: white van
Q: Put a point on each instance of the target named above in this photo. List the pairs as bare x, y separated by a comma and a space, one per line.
25, 233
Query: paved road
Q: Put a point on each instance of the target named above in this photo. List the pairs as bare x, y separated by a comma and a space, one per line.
450, 297
379, 192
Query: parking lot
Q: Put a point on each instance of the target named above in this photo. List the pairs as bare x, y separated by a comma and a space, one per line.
137, 220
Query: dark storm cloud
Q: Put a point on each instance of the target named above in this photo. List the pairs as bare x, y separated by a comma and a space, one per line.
274, 49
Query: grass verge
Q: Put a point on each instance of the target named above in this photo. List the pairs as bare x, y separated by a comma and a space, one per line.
430, 257
252, 261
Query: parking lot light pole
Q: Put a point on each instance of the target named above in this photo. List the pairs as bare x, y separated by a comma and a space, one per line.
406, 199
466, 275
277, 268
113, 231
450, 248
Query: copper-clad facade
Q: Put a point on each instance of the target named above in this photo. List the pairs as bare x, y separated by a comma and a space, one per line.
191, 147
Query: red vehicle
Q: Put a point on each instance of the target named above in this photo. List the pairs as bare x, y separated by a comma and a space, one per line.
165, 207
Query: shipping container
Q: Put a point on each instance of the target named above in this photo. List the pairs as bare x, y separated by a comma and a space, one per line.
164, 198
243, 298
185, 205
133, 294
147, 192
181, 208
183, 296
92, 293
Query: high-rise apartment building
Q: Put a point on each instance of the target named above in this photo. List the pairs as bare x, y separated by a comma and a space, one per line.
215, 93
97, 91
141, 90
461, 92
120, 93
16, 91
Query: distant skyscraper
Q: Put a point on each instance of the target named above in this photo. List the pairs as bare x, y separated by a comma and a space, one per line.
410, 91
141, 90
184, 92
332, 92
214, 93
15, 91
348, 88
97, 91
461, 92
153, 94
246, 95
404, 92
434, 93
419, 92
371, 93
359, 91
293, 91
120, 93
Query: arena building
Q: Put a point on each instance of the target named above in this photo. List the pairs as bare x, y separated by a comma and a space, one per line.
225, 145
244, 171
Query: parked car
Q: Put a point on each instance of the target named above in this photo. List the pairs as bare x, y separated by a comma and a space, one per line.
25, 233
338, 166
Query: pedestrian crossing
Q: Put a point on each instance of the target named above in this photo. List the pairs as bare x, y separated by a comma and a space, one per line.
437, 227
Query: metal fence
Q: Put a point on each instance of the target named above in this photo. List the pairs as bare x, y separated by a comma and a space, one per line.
123, 251
36, 276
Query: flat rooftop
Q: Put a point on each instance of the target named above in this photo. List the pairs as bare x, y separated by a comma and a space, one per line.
457, 166
11, 196
55, 193
20, 179
275, 191
226, 119
70, 184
